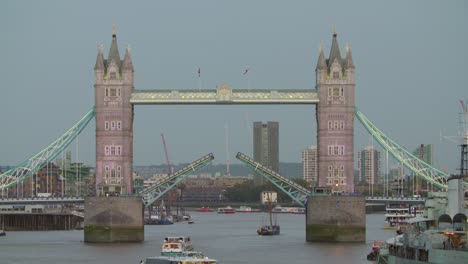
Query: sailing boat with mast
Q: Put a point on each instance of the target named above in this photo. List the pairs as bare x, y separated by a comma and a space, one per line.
269, 229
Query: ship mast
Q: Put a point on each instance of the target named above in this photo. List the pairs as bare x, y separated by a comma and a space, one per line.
464, 144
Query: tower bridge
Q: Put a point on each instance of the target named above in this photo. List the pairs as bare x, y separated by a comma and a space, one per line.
333, 96
115, 98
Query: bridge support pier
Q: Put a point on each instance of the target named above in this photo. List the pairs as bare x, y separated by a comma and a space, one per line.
113, 219
336, 219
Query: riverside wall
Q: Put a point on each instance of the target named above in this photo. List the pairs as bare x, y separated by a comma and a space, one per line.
336, 219
113, 219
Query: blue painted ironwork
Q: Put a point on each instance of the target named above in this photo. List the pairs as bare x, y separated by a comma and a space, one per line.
413, 163
297, 192
159, 188
30, 166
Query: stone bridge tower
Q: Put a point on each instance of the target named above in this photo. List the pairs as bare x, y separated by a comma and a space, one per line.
114, 121
335, 116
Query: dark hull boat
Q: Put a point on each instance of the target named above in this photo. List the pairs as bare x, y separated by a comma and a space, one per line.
272, 229
269, 230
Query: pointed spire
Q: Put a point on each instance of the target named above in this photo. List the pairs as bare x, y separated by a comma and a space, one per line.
334, 28
321, 63
127, 62
334, 51
100, 59
114, 50
113, 30
349, 57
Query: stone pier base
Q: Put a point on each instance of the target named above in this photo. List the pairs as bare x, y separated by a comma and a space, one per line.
336, 219
113, 219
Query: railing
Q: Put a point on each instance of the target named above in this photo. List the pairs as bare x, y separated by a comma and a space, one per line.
225, 95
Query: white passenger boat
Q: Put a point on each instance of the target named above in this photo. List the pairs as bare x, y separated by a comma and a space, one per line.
247, 209
397, 214
178, 250
176, 246
177, 260
226, 210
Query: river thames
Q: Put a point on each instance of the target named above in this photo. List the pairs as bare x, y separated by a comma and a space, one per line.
230, 239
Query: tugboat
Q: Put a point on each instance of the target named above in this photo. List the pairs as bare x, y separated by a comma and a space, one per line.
269, 230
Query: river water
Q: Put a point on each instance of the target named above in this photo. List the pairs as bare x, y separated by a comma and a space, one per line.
230, 239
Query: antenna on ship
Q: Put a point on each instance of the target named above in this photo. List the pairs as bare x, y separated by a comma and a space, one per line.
462, 138
464, 144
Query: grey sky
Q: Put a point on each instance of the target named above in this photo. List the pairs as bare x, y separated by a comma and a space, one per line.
410, 56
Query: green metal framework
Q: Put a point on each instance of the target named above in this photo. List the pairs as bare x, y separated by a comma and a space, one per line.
30, 166
417, 166
159, 188
294, 190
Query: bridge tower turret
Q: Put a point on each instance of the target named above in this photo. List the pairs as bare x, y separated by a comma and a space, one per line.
335, 83
114, 121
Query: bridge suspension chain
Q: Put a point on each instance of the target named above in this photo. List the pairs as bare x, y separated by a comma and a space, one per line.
294, 190
417, 166
159, 188
30, 166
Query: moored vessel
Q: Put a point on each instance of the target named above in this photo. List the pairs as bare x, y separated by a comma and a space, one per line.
226, 210
247, 209
278, 209
397, 214
440, 236
204, 210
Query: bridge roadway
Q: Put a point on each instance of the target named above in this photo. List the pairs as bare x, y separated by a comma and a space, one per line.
80, 200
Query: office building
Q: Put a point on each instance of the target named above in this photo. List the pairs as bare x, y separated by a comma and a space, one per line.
369, 165
266, 147
309, 165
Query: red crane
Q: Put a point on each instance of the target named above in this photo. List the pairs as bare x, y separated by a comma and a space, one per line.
169, 167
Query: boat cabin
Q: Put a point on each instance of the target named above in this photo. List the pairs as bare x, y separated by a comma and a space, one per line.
176, 245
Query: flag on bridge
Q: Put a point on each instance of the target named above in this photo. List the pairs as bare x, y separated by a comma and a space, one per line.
199, 72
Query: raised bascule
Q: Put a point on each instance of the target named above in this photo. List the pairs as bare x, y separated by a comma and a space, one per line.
113, 215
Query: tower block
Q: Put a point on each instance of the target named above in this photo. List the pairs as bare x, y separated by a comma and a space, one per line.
335, 117
342, 217
114, 121
110, 217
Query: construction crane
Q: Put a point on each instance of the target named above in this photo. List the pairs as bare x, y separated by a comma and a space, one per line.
169, 167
